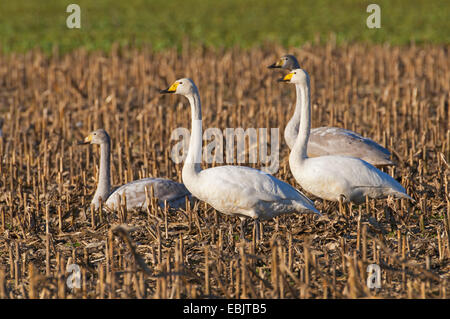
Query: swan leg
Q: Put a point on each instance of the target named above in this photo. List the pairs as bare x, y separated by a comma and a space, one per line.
350, 209
242, 228
342, 210
257, 230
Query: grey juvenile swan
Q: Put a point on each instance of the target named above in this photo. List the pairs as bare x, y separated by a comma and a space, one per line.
174, 193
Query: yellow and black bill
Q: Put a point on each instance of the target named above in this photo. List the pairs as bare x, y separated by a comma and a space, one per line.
287, 78
87, 140
171, 89
276, 65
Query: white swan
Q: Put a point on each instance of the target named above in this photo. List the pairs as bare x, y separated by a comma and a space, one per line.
163, 189
234, 190
331, 140
333, 177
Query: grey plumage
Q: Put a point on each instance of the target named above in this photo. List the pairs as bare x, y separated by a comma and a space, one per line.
163, 189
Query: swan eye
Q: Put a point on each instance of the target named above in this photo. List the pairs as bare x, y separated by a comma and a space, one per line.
180, 82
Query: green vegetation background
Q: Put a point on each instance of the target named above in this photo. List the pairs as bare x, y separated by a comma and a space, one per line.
25, 24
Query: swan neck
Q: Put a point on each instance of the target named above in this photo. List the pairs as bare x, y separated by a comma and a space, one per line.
104, 176
303, 99
291, 130
192, 164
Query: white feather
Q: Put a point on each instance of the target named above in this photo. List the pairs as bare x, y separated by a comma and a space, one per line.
330, 177
244, 191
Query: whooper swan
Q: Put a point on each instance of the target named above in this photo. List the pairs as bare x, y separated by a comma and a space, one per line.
331, 140
163, 189
234, 190
333, 177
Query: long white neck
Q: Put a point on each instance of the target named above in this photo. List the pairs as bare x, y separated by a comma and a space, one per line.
104, 176
291, 130
192, 166
298, 153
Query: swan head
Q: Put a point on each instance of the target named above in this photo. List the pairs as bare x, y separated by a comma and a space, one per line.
287, 61
183, 86
99, 136
297, 76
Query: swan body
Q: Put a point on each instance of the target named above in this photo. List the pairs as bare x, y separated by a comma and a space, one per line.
332, 140
234, 190
163, 189
333, 177
338, 141
345, 178
247, 192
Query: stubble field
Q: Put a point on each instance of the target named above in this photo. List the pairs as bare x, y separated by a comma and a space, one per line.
398, 96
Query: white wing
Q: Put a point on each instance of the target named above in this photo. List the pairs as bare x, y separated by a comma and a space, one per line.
329, 177
245, 191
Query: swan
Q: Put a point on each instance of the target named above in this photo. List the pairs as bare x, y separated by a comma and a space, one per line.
333, 177
287, 61
331, 140
163, 189
234, 190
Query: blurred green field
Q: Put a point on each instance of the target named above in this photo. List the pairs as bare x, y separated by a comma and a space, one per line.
25, 24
